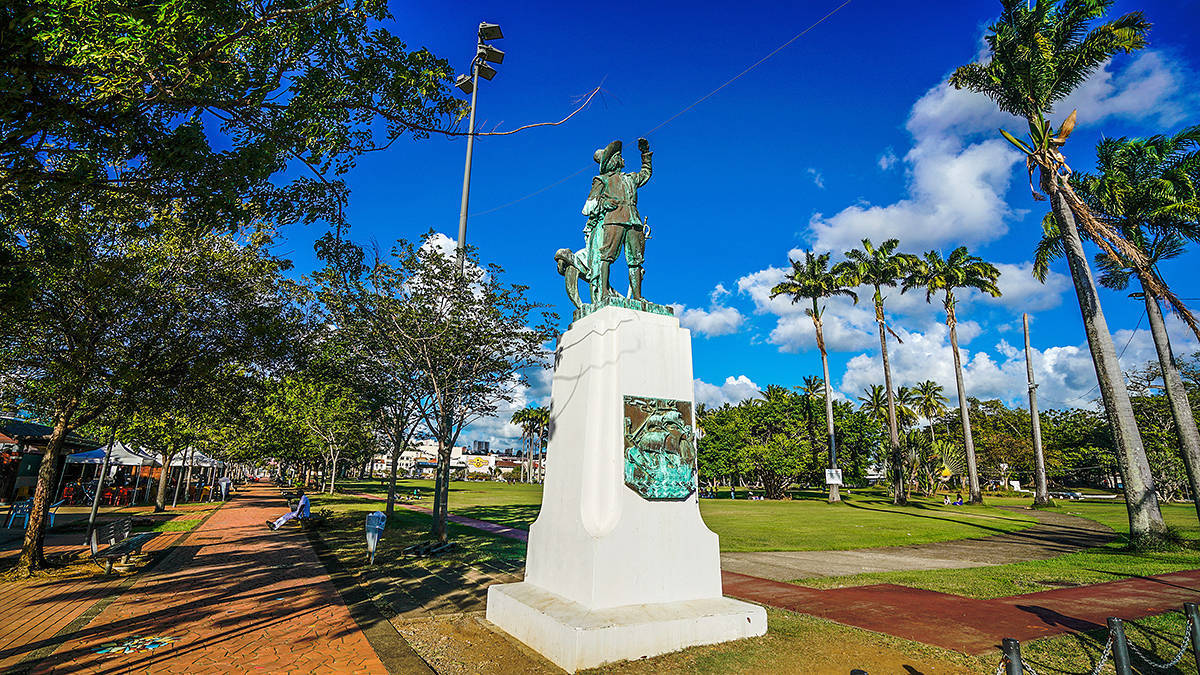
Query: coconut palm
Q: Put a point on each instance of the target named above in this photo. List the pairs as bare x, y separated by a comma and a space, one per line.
880, 268
1039, 53
1150, 190
874, 402
930, 402
523, 418
958, 270
813, 279
906, 407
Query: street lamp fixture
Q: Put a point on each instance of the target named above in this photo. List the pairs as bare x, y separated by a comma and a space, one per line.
484, 54
464, 83
491, 54
490, 31
485, 71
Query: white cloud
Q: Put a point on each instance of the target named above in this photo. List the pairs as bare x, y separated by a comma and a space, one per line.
1065, 374
888, 159
717, 320
1021, 292
960, 170
817, 178
733, 391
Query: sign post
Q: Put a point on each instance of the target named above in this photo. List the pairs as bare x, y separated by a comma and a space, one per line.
376, 520
833, 476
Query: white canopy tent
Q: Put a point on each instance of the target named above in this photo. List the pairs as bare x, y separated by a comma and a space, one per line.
121, 456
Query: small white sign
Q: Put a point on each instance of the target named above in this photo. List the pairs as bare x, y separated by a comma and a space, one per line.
833, 476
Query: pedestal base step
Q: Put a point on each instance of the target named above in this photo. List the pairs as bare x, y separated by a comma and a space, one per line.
574, 637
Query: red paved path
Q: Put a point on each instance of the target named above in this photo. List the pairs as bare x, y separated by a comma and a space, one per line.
238, 597
967, 624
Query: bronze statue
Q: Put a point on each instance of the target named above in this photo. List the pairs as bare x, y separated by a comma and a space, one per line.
611, 206
613, 224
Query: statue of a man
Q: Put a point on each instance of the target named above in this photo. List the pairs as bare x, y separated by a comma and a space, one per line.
612, 206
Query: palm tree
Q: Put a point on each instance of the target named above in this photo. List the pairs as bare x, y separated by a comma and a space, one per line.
930, 402
874, 402
1039, 53
539, 418
906, 406
523, 418
812, 279
1148, 189
958, 270
879, 268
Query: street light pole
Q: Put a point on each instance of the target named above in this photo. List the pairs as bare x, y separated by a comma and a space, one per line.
466, 188
483, 53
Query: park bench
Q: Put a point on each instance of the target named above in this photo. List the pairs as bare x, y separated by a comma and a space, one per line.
118, 542
22, 508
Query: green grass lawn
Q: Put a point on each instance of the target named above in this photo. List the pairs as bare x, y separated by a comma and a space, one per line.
806, 523
345, 529
864, 519
1098, 565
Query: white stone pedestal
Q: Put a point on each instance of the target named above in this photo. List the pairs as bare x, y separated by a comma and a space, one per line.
610, 575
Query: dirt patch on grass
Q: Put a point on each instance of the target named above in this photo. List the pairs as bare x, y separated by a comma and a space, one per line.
794, 643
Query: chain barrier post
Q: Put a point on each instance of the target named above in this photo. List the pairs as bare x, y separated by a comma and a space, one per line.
1193, 615
1120, 649
1012, 655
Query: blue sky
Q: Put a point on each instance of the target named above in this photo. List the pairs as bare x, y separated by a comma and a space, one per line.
848, 132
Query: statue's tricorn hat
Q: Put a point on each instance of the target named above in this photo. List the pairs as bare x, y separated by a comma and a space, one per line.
606, 153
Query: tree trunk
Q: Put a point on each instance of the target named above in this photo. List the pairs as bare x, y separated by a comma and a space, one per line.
441, 491
391, 499
1041, 492
1181, 409
1145, 518
963, 407
32, 553
898, 496
834, 493
333, 462
164, 475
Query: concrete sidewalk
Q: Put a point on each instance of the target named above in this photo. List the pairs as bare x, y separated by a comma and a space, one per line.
234, 596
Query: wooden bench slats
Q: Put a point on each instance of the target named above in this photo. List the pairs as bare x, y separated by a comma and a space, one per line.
126, 546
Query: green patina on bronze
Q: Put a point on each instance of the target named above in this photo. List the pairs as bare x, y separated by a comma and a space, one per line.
660, 448
613, 226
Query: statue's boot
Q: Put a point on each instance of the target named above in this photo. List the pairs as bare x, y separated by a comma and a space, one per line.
604, 266
635, 282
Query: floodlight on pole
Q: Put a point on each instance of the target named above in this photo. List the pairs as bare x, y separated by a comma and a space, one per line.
484, 54
491, 54
490, 31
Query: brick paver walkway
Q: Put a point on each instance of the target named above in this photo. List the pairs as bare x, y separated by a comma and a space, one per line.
970, 625
236, 597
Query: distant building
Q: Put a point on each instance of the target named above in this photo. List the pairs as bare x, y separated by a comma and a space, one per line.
482, 447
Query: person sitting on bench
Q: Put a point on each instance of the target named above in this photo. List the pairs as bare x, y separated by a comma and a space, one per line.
300, 512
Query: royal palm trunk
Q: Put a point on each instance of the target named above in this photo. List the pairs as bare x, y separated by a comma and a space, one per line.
898, 496
1181, 409
963, 407
834, 493
1141, 502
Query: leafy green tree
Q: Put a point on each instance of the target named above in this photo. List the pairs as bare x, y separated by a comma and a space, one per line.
880, 267
1038, 53
812, 279
201, 107
946, 275
1148, 190
121, 313
467, 337
330, 413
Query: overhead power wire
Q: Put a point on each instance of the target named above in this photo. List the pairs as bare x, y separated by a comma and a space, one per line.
1119, 357
686, 108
